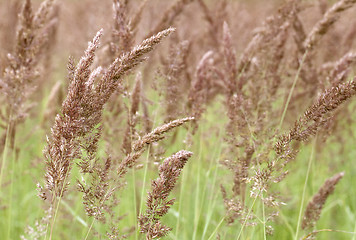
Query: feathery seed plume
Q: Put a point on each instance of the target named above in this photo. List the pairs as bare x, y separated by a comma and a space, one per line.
157, 200
313, 210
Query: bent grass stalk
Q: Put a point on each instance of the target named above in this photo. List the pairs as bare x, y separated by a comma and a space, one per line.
328, 230
107, 192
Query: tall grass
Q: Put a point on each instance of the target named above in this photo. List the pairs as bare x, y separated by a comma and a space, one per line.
179, 120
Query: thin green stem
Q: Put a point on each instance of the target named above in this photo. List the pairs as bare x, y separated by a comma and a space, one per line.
181, 197
197, 197
216, 229
211, 202
91, 226
58, 203
144, 182
248, 215
134, 200
143, 192
264, 220
4, 154
292, 90
54, 199
12, 170
305, 188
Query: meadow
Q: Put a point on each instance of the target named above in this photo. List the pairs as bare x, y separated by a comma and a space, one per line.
181, 119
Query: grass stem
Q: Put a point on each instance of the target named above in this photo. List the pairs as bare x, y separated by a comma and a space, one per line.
292, 90
305, 188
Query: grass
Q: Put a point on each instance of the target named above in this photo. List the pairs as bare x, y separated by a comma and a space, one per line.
267, 101
197, 196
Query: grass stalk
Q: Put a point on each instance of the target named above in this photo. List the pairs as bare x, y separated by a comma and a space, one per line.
292, 90
181, 196
90, 227
5, 153
211, 203
248, 215
145, 173
134, 201
264, 220
243, 136
197, 197
286, 222
216, 229
143, 191
56, 205
327, 230
12, 172
305, 188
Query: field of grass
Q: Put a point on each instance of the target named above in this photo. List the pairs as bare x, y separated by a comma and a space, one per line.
242, 112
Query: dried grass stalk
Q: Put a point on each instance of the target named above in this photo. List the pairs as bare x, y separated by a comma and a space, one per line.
122, 35
314, 118
329, 18
265, 35
215, 19
132, 114
313, 210
174, 76
19, 79
198, 92
78, 118
97, 193
170, 15
78, 125
138, 14
341, 68
230, 62
138, 147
